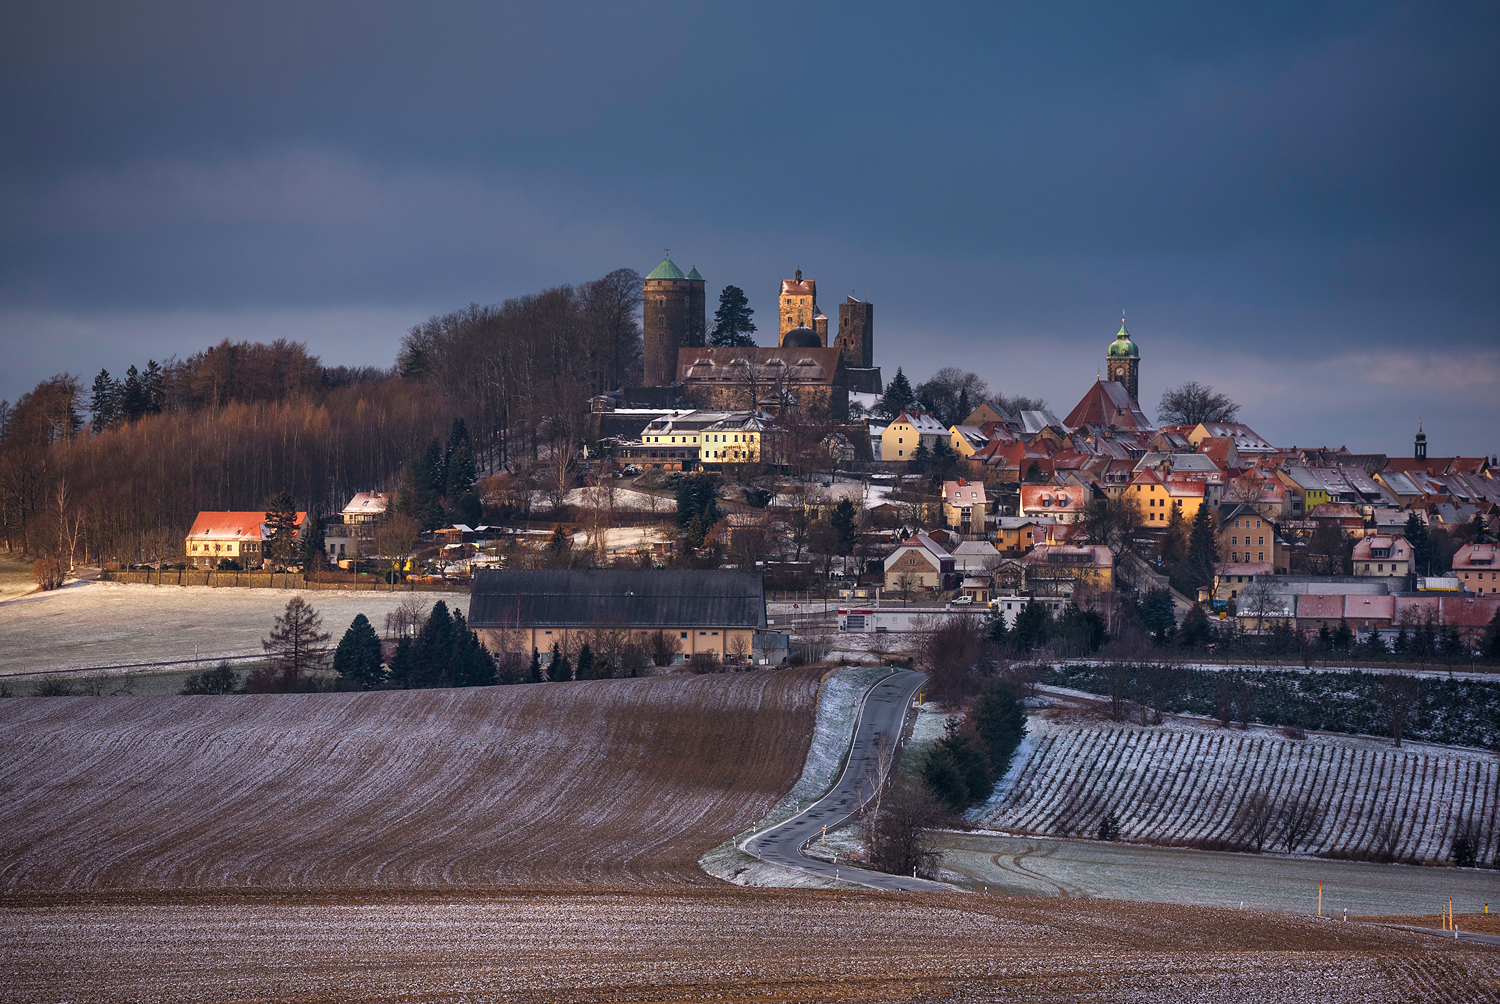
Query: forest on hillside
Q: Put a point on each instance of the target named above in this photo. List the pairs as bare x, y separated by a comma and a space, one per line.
117, 469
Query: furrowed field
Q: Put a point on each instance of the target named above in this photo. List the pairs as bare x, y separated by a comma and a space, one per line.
609, 781
1193, 787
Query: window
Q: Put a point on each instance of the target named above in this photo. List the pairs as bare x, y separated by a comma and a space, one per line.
684, 634
1261, 542
1260, 556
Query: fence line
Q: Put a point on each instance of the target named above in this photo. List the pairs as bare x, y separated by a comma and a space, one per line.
273, 580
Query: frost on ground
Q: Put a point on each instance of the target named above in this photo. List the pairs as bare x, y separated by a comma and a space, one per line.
710, 944
89, 625
1188, 784
839, 699
562, 784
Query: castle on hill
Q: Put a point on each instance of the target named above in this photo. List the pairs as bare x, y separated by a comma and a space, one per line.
802, 369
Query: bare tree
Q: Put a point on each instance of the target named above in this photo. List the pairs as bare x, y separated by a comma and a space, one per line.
1192, 402
1400, 699
408, 616
905, 584
1299, 818
1389, 833
738, 650
1255, 819
663, 646
397, 536
900, 841
69, 520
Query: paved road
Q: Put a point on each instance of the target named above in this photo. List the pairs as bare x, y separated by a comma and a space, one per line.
1483, 939
883, 712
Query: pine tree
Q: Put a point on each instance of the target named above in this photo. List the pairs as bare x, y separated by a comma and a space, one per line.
732, 324
1202, 549
559, 670
1416, 535
435, 648
295, 645
921, 458
357, 658
1492, 641
314, 542
153, 390
403, 663
898, 395
1196, 631
1033, 626
133, 399
535, 672
105, 403
473, 664
843, 520
1000, 720
281, 519
995, 627
418, 494
585, 663
1403, 642
1034, 474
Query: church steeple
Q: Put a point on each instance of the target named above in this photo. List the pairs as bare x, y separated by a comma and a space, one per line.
1123, 362
1421, 445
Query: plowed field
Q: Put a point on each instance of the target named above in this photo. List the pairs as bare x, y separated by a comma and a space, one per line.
618, 781
715, 944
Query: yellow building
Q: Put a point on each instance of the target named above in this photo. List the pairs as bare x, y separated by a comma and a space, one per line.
906, 431
681, 441
1303, 488
1157, 497
230, 536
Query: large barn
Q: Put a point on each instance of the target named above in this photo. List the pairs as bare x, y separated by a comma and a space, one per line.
718, 612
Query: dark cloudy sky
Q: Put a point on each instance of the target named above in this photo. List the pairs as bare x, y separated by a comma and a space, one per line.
1296, 203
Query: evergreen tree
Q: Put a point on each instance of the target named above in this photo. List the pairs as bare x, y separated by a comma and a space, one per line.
314, 541
898, 396
732, 324
1000, 720
1034, 474
1202, 549
921, 458
105, 403
1373, 647
1084, 627
964, 406
403, 663
559, 670
133, 399
944, 460
698, 498
1343, 637
1325, 639
1492, 640
535, 672
473, 665
1403, 641
945, 779
281, 519
418, 494
1158, 614
435, 645
153, 388
357, 658
1196, 630
1033, 626
559, 543
958, 770
459, 469
843, 520
1479, 530
994, 626
586, 669
1416, 535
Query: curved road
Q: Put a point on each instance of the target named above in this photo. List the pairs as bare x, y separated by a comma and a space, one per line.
883, 712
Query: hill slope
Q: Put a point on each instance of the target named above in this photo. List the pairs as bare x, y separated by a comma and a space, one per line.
617, 781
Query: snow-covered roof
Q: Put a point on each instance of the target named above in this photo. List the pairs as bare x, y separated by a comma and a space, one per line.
367, 504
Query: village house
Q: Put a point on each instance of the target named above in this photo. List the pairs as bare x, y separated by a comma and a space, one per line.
1244, 535
1019, 534
1477, 566
366, 508
1059, 569
1232, 578
239, 537
908, 430
1064, 503
1382, 554
964, 505
919, 563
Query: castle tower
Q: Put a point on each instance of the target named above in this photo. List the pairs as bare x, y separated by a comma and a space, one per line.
799, 308
1421, 445
674, 316
1124, 362
856, 337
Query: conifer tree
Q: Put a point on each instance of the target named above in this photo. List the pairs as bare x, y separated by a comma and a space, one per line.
1417, 536
535, 672
586, 669
105, 403
1202, 549
357, 658
898, 395
732, 324
314, 541
559, 670
1000, 720
921, 458
281, 518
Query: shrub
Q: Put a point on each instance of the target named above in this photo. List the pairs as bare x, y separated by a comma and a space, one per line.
221, 679
49, 573
704, 662
53, 686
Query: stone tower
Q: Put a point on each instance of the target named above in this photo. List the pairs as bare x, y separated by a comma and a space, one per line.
799, 308
1124, 362
856, 338
674, 316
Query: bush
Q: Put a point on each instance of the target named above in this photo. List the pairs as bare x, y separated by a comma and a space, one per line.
221, 679
899, 838
53, 686
49, 573
704, 662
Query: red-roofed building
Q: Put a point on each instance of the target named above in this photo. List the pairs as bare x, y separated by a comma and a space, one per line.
234, 536
1382, 554
1477, 566
1064, 503
1108, 405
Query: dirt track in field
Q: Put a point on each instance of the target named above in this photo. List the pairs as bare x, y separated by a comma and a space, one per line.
709, 944
625, 781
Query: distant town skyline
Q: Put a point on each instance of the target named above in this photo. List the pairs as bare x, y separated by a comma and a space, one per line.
1291, 204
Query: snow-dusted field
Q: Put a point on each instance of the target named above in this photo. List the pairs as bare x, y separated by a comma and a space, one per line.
711, 944
1092, 869
1185, 783
565, 784
89, 625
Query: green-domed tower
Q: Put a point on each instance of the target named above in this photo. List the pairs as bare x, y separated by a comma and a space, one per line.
1124, 361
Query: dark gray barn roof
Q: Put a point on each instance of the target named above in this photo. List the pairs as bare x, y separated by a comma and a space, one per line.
509, 598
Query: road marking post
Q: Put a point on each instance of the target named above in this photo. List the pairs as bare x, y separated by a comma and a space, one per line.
1320, 899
